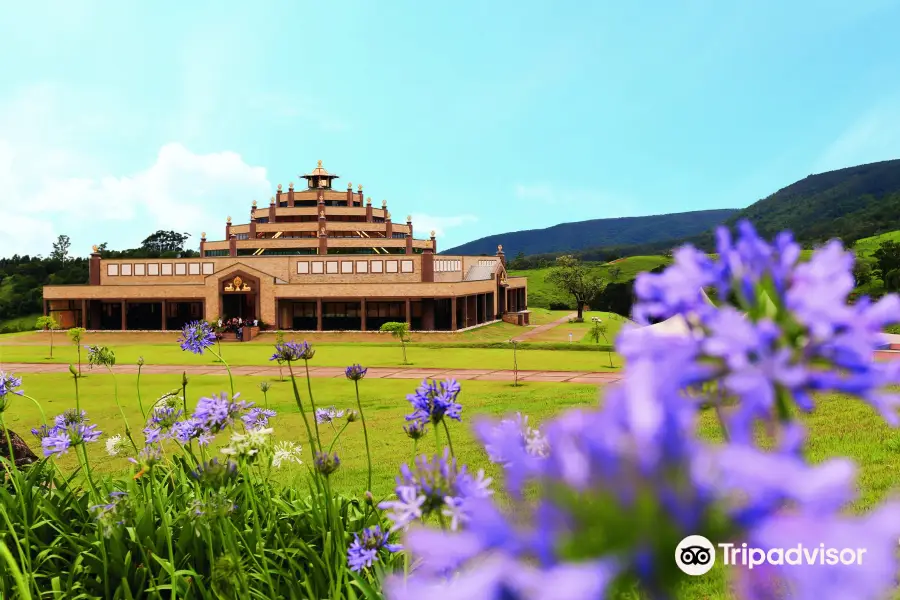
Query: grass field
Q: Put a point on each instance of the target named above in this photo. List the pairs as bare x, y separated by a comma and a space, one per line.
16, 324
580, 331
838, 427
866, 246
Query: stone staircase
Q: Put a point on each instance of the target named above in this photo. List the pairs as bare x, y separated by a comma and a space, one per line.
249, 334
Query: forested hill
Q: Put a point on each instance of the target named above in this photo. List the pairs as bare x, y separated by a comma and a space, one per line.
570, 237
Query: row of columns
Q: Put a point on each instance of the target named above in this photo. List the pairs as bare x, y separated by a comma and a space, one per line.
362, 314
84, 313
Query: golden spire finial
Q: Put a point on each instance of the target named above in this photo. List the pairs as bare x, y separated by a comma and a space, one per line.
291, 185
279, 187
254, 204
321, 214
369, 201
387, 215
409, 218
500, 248
272, 200
350, 185
320, 164
203, 235
384, 204
359, 187
432, 233
96, 248
228, 220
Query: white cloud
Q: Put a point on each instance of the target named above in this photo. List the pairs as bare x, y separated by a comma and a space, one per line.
181, 190
425, 224
873, 137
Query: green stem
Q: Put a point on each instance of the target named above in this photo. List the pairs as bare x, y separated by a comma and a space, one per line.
184, 392
312, 402
230, 377
259, 550
415, 449
87, 470
164, 517
437, 439
362, 418
40, 409
449, 442
140, 404
337, 436
77, 398
119, 405
312, 441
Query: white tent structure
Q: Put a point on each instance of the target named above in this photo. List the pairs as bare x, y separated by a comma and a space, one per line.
676, 326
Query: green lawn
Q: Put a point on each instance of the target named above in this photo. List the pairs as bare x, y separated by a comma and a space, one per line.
838, 427
579, 331
866, 246
329, 355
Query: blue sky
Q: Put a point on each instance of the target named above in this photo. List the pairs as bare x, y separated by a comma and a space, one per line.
117, 119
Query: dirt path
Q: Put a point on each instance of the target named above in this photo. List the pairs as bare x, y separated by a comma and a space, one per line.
597, 378
545, 327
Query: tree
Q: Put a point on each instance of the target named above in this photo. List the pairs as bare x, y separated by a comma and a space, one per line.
61, 248
76, 334
887, 257
614, 273
48, 323
165, 241
572, 277
518, 262
892, 281
862, 272
399, 331
598, 332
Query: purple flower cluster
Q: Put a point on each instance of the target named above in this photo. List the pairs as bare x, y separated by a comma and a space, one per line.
432, 401
71, 428
161, 423
363, 552
435, 486
617, 488
355, 372
328, 415
197, 336
325, 463
258, 418
292, 351
8, 385
217, 413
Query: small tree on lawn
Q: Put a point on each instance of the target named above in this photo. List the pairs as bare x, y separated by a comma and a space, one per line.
76, 334
515, 346
572, 277
598, 332
50, 324
399, 331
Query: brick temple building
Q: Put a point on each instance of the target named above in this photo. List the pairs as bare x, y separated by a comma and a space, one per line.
313, 259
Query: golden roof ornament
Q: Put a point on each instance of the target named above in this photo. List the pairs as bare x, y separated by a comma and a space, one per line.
409, 218
359, 187
254, 204
96, 248
203, 236
322, 231
321, 214
384, 204
499, 248
291, 185
350, 186
320, 164
228, 220
369, 201
432, 233
272, 200
387, 215
279, 187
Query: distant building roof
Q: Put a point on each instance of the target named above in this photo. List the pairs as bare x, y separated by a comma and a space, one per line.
480, 273
320, 171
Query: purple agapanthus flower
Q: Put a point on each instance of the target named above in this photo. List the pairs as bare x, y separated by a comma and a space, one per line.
197, 336
293, 351
432, 401
328, 414
70, 417
112, 515
325, 463
219, 412
9, 383
355, 372
66, 436
363, 551
434, 486
161, 423
186, 430
43, 431
258, 418
416, 430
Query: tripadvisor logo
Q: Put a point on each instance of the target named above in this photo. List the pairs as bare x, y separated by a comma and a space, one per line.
695, 555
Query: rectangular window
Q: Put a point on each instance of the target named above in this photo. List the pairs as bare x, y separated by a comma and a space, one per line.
346, 267
209, 268
153, 269
180, 269
193, 268
112, 270
377, 266
126, 269
331, 267
362, 266
318, 268
406, 266
166, 268
303, 267
140, 269
391, 266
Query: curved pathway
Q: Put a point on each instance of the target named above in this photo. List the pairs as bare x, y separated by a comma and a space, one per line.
588, 377
545, 327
